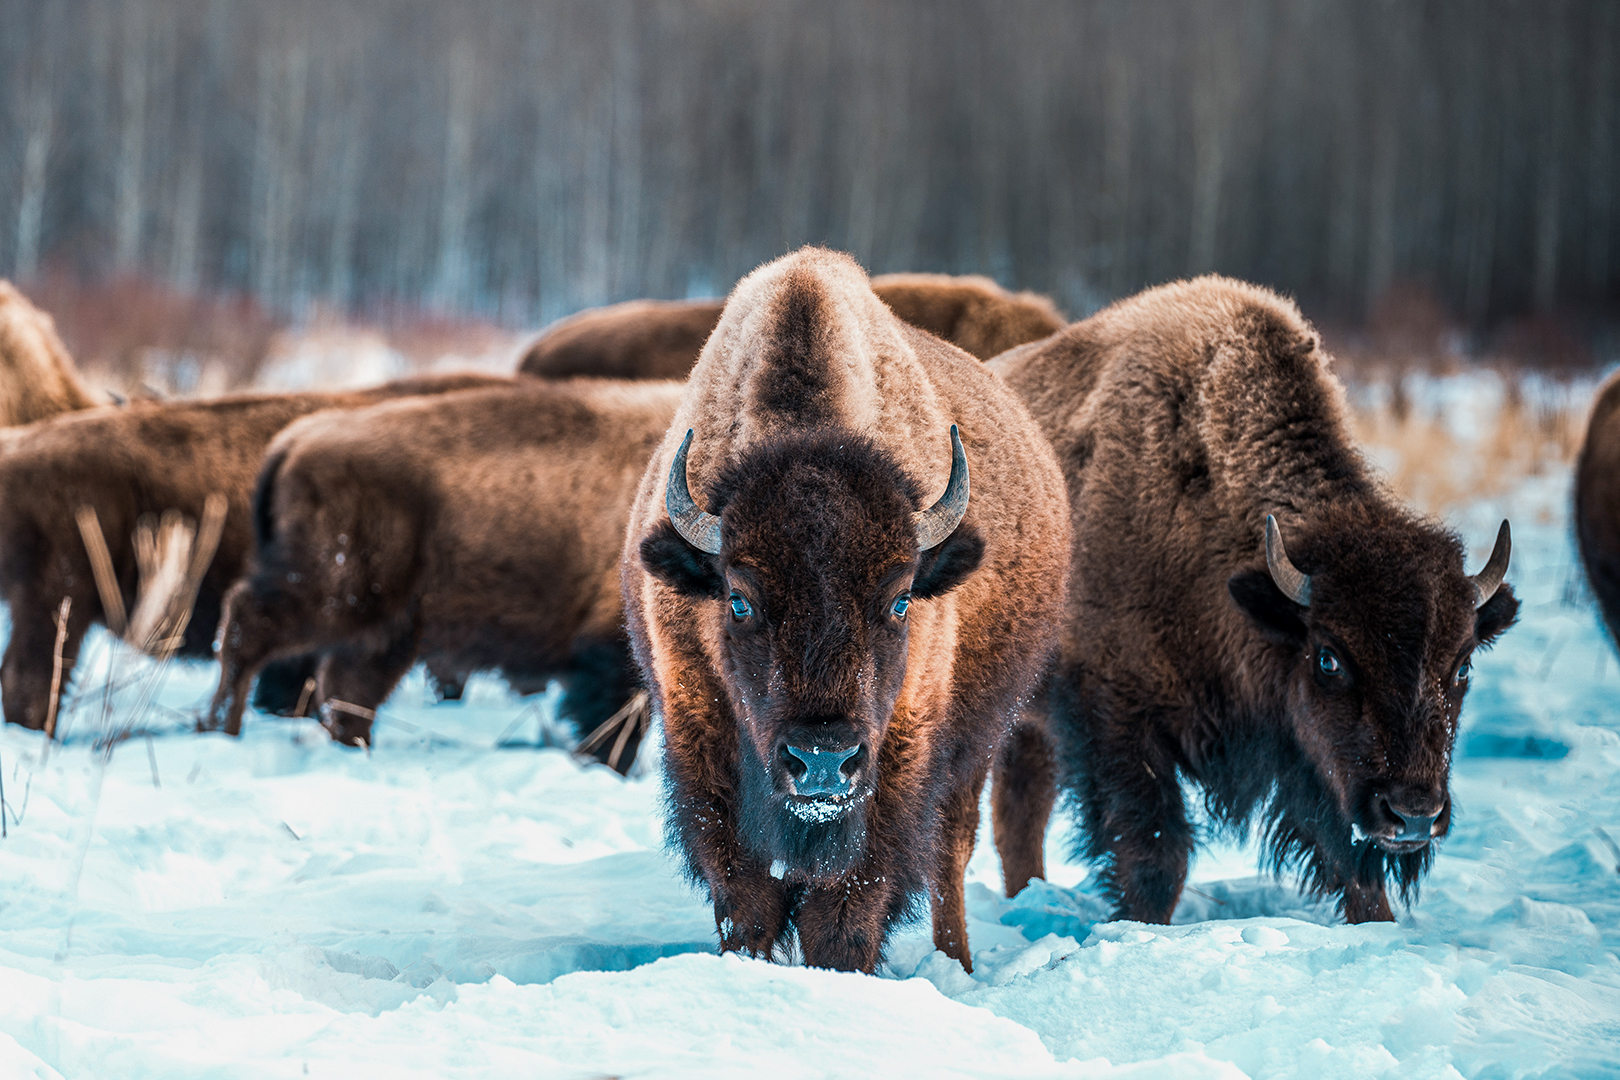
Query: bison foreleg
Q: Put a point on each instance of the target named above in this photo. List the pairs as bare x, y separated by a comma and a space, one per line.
959, 827
356, 677
1021, 803
1135, 814
843, 927
751, 909
1366, 903
253, 629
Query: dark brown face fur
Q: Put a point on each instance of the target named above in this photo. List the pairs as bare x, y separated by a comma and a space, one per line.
810, 595
1376, 669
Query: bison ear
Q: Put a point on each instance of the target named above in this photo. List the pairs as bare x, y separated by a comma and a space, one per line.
944, 567
1276, 616
1495, 615
690, 572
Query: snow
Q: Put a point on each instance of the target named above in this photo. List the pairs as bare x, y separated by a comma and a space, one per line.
454, 904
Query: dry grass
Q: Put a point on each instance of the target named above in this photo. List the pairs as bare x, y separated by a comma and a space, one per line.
1445, 440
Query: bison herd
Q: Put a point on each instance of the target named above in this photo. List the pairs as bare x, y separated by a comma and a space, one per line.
862, 544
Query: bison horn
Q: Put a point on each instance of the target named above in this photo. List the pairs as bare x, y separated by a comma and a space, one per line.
1294, 585
940, 520
1488, 580
700, 528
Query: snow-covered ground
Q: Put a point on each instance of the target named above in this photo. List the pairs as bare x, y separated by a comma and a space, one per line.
460, 902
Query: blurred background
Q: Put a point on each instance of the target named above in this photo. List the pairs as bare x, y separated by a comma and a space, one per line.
184, 183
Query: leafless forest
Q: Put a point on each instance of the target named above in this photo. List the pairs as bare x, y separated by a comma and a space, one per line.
515, 161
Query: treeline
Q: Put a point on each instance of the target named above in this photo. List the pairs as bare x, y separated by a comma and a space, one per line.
520, 159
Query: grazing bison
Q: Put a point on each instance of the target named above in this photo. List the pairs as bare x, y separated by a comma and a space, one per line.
834, 627
1250, 610
37, 377
125, 463
478, 530
1597, 503
661, 339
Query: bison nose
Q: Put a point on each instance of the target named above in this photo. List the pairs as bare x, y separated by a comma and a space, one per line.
821, 773
1417, 820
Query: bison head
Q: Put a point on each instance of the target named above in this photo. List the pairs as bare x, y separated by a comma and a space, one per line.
814, 570
1375, 627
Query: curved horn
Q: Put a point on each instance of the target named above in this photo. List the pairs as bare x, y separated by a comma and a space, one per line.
1488, 580
699, 528
1294, 585
940, 520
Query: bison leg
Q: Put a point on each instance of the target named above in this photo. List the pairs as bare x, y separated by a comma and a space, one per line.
751, 909
1133, 813
1024, 790
30, 659
959, 828
1366, 903
356, 677
257, 624
844, 927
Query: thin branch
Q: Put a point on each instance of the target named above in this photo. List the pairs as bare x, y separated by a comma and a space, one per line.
95, 545
56, 668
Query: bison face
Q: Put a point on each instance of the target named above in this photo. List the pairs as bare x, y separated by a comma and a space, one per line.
1373, 635
810, 602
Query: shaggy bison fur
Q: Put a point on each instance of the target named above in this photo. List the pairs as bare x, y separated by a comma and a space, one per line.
1597, 503
661, 339
478, 530
833, 648
1318, 691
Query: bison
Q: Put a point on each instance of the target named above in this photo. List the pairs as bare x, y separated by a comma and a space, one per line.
478, 530
125, 463
660, 339
1597, 503
1251, 611
37, 377
834, 629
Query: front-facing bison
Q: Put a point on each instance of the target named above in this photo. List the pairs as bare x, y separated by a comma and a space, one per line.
837, 621
1250, 610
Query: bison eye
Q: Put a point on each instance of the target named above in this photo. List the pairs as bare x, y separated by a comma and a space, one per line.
901, 603
1327, 662
739, 607
1459, 678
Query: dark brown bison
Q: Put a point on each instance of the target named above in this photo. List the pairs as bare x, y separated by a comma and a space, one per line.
1249, 609
479, 530
661, 339
143, 459
1597, 503
37, 377
834, 628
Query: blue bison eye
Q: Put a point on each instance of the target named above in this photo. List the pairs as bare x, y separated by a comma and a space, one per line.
901, 603
1327, 661
739, 607
1464, 670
